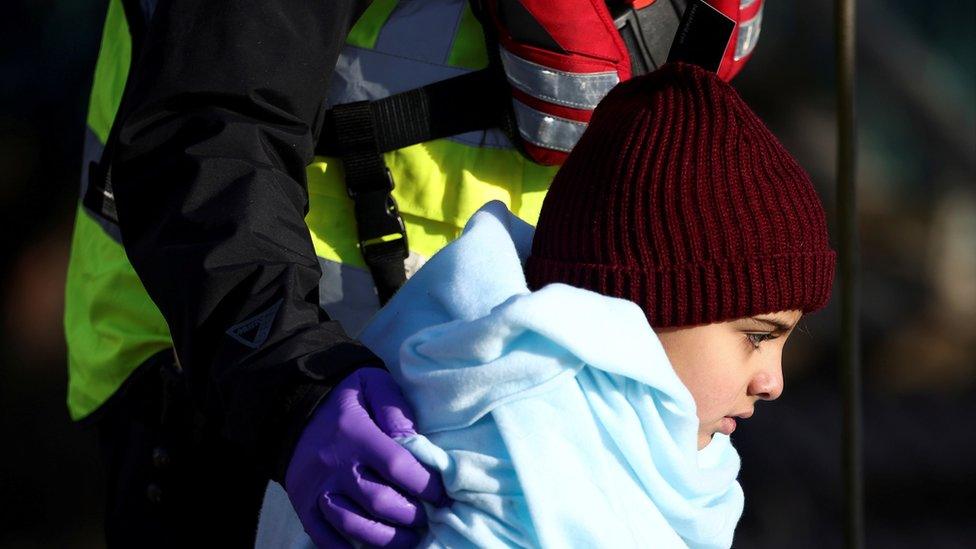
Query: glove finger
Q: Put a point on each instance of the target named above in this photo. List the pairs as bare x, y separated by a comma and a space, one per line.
382, 501
387, 405
346, 517
398, 466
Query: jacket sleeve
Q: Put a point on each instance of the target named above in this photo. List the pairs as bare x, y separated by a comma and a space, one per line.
217, 125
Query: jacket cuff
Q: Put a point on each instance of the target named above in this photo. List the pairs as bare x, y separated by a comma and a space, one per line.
317, 374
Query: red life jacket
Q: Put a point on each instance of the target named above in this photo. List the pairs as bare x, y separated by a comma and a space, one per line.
562, 56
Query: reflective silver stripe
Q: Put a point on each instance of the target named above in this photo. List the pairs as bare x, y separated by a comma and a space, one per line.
580, 90
92, 152
422, 29
411, 51
743, 4
748, 35
148, 8
362, 74
545, 130
348, 294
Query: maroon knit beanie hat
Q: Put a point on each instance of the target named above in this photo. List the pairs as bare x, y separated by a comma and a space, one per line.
678, 198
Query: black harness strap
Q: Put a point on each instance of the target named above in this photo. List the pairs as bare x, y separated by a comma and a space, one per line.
359, 133
474, 101
379, 227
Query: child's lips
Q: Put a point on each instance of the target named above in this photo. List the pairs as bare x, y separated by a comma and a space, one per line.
728, 423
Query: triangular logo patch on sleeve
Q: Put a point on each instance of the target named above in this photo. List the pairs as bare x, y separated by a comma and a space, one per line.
254, 331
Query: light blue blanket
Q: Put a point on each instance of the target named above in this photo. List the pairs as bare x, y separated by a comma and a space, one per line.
553, 416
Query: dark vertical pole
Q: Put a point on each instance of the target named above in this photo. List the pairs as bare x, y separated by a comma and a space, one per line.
848, 266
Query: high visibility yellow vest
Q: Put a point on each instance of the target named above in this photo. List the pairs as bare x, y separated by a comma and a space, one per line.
112, 326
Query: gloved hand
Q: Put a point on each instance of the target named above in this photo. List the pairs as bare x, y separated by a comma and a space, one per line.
349, 478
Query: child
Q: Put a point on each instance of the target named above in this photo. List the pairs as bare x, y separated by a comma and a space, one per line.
679, 199
676, 250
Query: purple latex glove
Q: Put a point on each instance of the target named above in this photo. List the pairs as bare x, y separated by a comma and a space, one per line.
349, 479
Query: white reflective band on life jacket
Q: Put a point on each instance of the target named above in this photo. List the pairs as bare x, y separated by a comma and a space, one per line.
743, 4
748, 35
546, 130
569, 89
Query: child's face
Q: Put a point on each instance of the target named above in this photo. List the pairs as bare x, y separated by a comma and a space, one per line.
728, 366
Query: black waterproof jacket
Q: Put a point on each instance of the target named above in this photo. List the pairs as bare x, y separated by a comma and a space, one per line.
224, 102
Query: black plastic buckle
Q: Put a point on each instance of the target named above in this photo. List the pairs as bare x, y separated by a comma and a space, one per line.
378, 216
647, 32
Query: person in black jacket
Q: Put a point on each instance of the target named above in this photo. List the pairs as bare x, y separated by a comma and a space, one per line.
206, 167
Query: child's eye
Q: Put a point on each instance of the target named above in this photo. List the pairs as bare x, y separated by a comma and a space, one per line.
758, 338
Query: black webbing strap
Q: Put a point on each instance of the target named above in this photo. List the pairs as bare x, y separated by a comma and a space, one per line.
379, 227
474, 101
359, 133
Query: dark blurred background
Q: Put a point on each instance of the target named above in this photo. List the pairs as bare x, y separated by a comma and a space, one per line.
917, 183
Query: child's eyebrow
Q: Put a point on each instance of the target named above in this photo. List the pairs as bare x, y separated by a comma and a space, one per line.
777, 324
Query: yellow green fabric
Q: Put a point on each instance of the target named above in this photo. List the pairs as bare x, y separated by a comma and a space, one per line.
468, 48
111, 324
439, 184
366, 31
111, 70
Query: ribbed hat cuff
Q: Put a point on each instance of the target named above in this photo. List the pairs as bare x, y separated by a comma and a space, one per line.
702, 293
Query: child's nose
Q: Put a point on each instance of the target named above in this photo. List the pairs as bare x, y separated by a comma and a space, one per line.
767, 385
